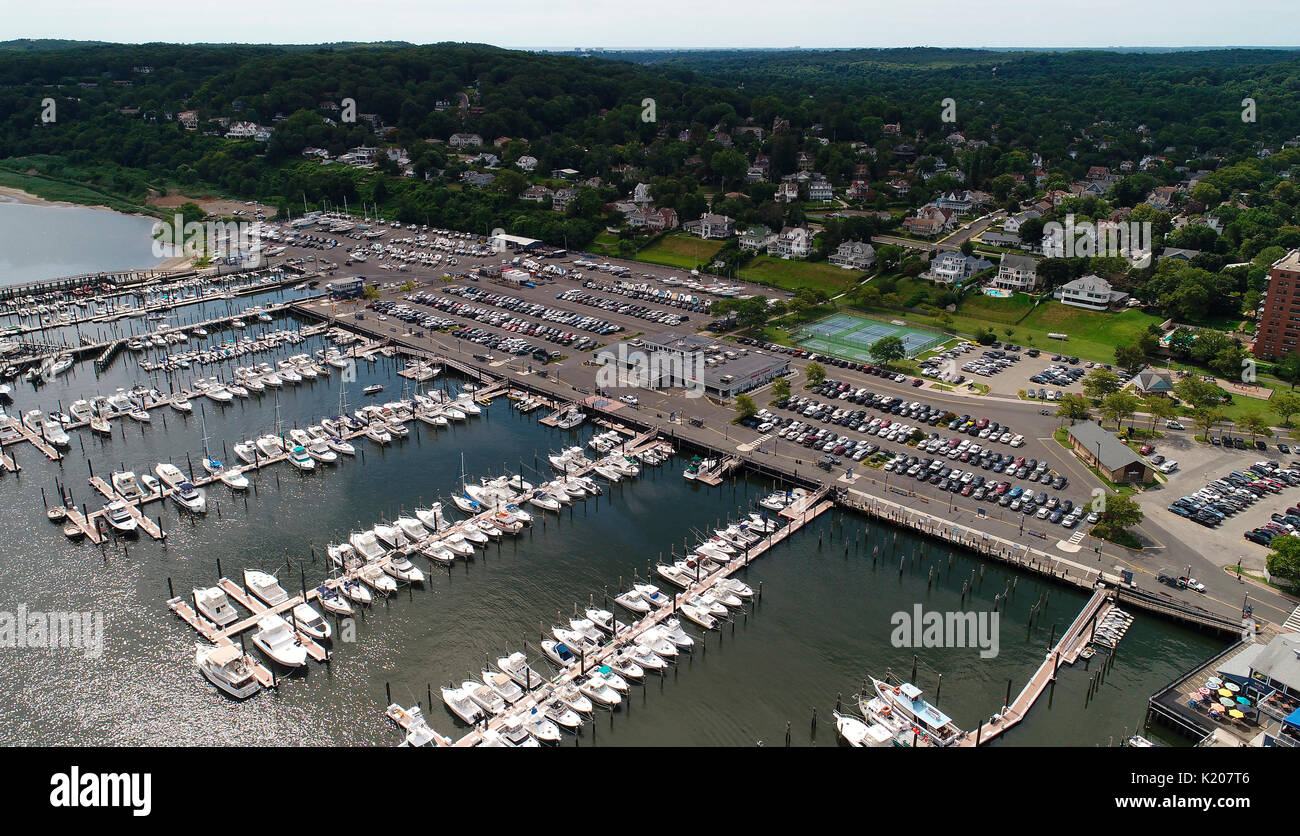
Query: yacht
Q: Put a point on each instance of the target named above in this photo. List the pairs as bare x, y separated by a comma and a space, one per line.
170, 474
264, 587
311, 622
270, 446
246, 451
412, 528
462, 705
486, 698
126, 485
227, 668
46, 428
598, 690
301, 459
503, 685
190, 498
213, 605
378, 581
401, 568
907, 702
367, 545
332, 601
81, 410
277, 640
182, 404
234, 479
571, 419
390, 535
119, 516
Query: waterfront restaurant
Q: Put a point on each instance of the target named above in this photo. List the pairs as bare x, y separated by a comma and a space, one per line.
1102, 450
690, 361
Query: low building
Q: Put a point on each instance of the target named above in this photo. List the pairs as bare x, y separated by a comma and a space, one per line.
854, 255
1150, 382
1017, 273
757, 237
465, 141
346, 288
1091, 292
1110, 456
793, 242
526, 163
672, 360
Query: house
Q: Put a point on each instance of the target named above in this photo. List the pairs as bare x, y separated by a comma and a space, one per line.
536, 194
894, 129
1148, 382
955, 268
489, 160
1179, 254
1091, 292
561, 198
1017, 273
793, 242
465, 140
189, 119
1114, 459
526, 163
854, 255
711, 226
754, 174
1161, 197
786, 192
928, 221
655, 220
242, 130
819, 189
958, 202
860, 190
757, 237
563, 173
477, 179
900, 185
1013, 223
804, 161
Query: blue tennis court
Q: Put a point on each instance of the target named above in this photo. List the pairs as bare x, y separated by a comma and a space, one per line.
851, 337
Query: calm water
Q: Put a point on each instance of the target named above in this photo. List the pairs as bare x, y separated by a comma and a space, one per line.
822, 625
48, 242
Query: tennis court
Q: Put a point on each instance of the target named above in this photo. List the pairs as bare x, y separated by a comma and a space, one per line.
851, 337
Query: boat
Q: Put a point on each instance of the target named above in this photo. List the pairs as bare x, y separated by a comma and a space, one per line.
390, 535
338, 445
99, 424
908, 703
246, 451
697, 614
182, 404
46, 428
140, 416
503, 685
401, 568
190, 498
213, 605
571, 419
270, 446
373, 389
539, 726
227, 668
412, 528
598, 690
862, 735
301, 459
625, 665
170, 474
486, 698
560, 713
462, 705
264, 587
367, 545
276, 640
378, 433
355, 591
558, 652
378, 581
332, 601
120, 517
126, 485
234, 479
517, 668
646, 658
311, 622
61, 365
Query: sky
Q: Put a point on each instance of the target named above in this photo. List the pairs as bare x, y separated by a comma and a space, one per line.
567, 24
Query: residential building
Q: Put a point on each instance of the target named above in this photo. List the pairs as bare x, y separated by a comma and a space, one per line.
819, 189
711, 226
1278, 332
757, 237
854, 255
786, 193
465, 141
1091, 291
561, 198
536, 194
955, 268
526, 163
656, 220
1017, 273
793, 242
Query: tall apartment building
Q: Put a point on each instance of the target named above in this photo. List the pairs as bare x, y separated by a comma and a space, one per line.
1278, 333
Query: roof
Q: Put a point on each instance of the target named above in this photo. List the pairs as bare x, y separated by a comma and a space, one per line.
1279, 660
1110, 451
1149, 381
1093, 283
1019, 262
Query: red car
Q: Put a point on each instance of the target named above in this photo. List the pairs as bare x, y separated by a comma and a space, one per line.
1146, 449
916, 381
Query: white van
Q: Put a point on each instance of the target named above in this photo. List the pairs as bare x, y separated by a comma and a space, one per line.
1169, 467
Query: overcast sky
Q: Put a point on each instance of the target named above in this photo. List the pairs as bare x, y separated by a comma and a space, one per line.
567, 24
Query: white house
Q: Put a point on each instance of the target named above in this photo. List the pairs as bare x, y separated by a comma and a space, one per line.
1018, 273
955, 268
526, 163
793, 242
757, 237
1091, 291
854, 255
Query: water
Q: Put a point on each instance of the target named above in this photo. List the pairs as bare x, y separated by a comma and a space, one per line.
49, 242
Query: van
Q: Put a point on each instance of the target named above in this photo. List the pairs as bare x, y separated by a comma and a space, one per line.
1169, 467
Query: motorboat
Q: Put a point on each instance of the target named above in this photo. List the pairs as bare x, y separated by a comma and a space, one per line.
412, 528
100, 424
513, 734
234, 479
503, 685
61, 365
673, 631
517, 668
646, 658
367, 545
736, 587
140, 416
246, 451
906, 701
355, 591
539, 726
264, 587
81, 410
338, 445
277, 640
573, 697
558, 652
559, 713
332, 601
311, 622
483, 696
220, 394
571, 419
862, 735
228, 668
120, 517
598, 690
544, 500
378, 433
126, 485
322, 452
378, 581
462, 705
49, 430
301, 459
170, 474
438, 553
698, 614
604, 619
632, 601
190, 498
473, 533
708, 603
270, 446
623, 663
390, 535
213, 605
400, 567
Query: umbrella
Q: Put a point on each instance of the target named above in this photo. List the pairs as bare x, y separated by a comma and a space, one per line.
1232, 686
1214, 682
1224, 692
1204, 692
1234, 713
1227, 701
1243, 700
1215, 708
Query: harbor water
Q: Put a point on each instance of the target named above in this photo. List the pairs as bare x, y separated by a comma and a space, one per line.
50, 242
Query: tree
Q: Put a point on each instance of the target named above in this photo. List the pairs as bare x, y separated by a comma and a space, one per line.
1159, 408
1198, 392
1205, 418
745, 407
1288, 368
1130, 358
752, 312
1284, 405
1256, 425
780, 389
1074, 407
371, 292
886, 350
1100, 382
1283, 559
1119, 406
1121, 513
815, 372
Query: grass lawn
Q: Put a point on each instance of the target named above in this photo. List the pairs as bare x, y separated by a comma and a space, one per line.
680, 250
979, 305
794, 275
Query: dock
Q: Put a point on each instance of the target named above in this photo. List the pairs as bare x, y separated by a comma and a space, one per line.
714, 477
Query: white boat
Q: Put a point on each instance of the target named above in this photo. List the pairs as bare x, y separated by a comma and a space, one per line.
503, 685
517, 668
182, 404
120, 517
378, 433
559, 713
99, 424
234, 478
401, 568
301, 459
190, 498
126, 485
322, 452
624, 663
544, 500
486, 698
338, 445
573, 697
332, 601
698, 614
571, 419
632, 601
170, 474
438, 553
558, 652
311, 622
598, 690
412, 528
461, 705
140, 416
647, 658
246, 451
227, 668
861, 735
377, 580
367, 545
220, 394
907, 703
213, 605
264, 587
356, 591
604, 619
270, 446
276, 640
61, 365
48, 429
539, 726
390, 535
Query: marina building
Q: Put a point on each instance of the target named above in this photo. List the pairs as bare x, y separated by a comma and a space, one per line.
672, 360
1102, 450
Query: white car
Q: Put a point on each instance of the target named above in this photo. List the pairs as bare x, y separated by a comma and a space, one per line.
1018, 441
1169, 467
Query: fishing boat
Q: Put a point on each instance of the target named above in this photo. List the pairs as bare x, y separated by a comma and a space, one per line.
573, 697
647, 658
270, 446
170, 474
126, 485
332, 601
517, 668
227, 668
311, 622
213, 605
301, 459
438, 553
503, 685
908, 703
862, 735
276, 640
698, 615
338, 445
264, 587
378, 433
572, 419
190, 498
623, 663
461, 705
367, 545
119, 516
378, 581
412, 528
99, 424
632, 601
598, 690
401, 568
322, 453
246, 451
604, 620
390, 535
558, 652
539, 727
559, 713
486, 698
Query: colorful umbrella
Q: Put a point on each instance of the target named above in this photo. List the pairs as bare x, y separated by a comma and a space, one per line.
1227, 701
1215, 708
1204, 692
1214, 682
1234, 713
1232, 686
1224, 692
1243, 701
